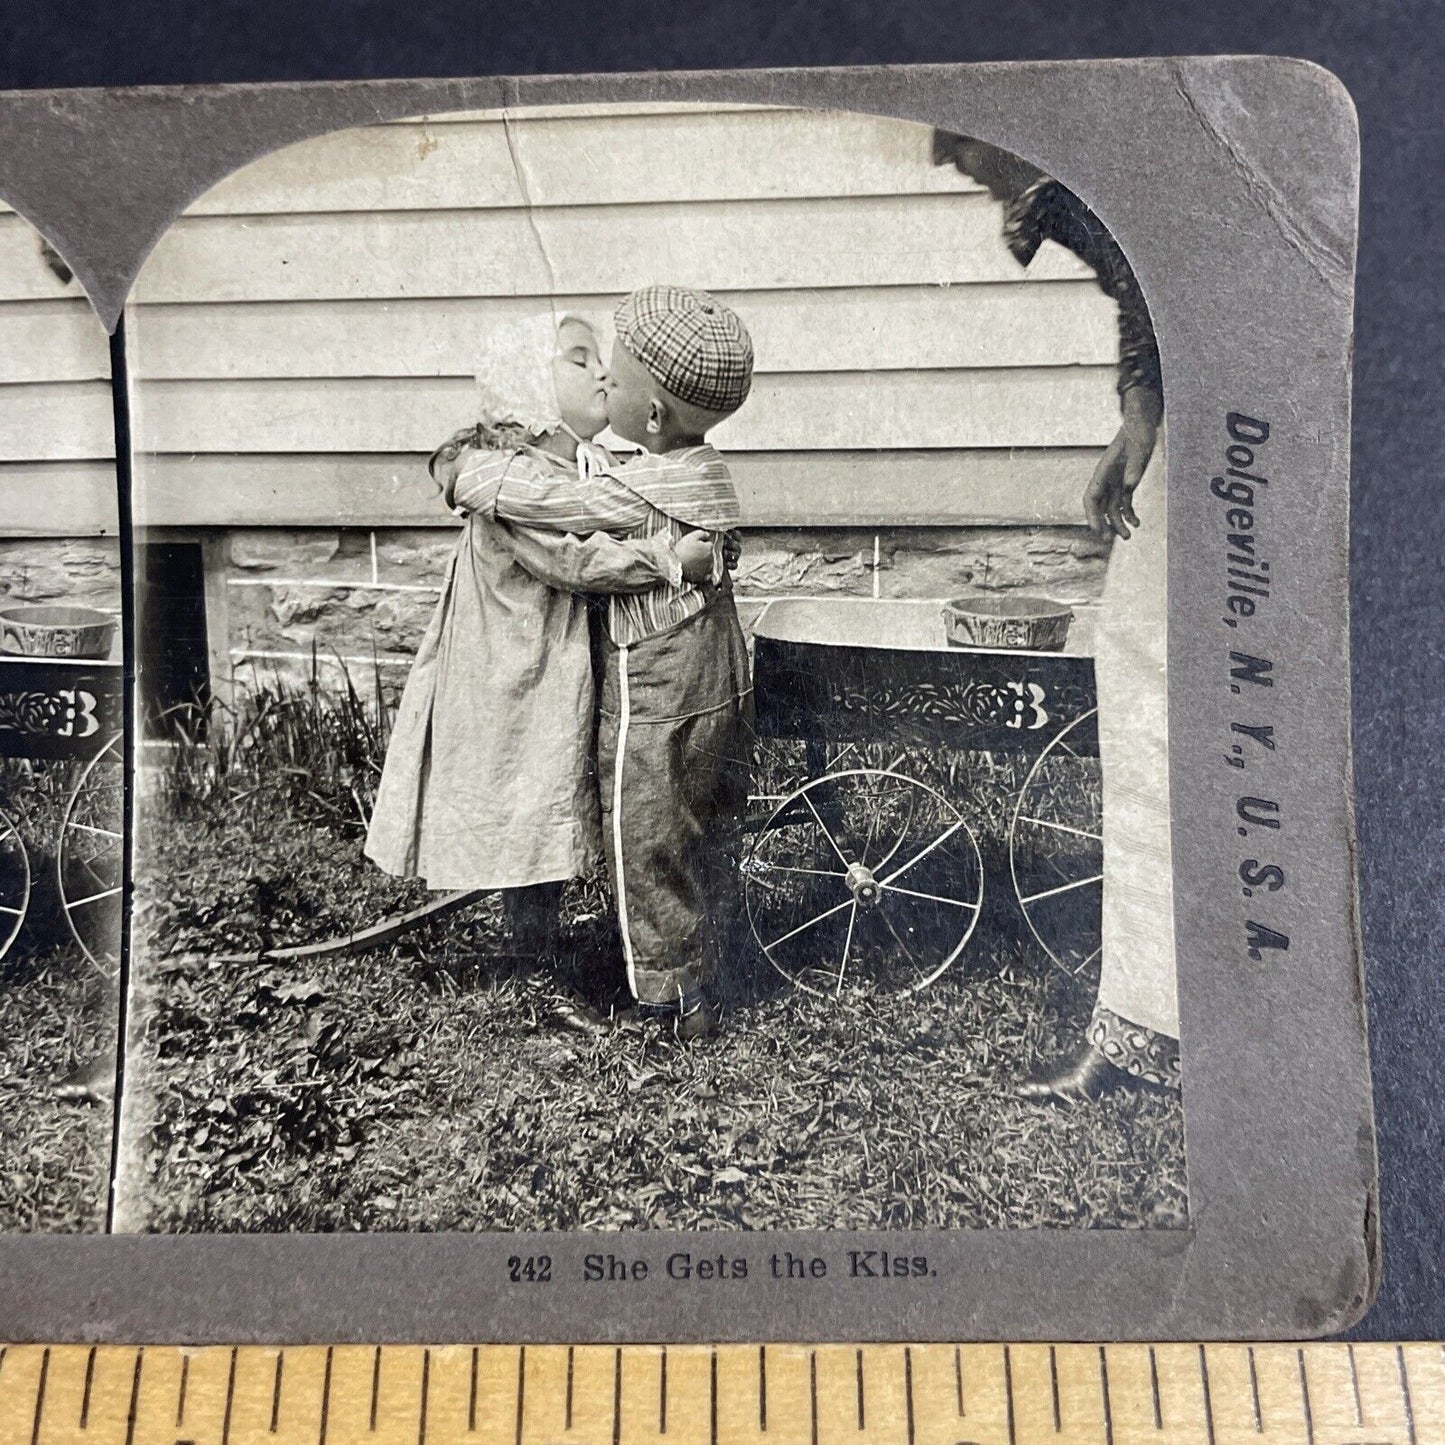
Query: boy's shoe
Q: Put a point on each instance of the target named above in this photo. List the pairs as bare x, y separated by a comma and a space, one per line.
701, 1022
573, 1012
567, 1006
693, 1017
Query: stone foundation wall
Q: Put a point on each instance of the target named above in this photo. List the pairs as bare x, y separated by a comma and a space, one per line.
82, 570
350, 596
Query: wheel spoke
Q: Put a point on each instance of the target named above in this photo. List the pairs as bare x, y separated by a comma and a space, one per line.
92, 897
847, 944
832, 842
902, 942
793, 868
911, 800
931, 897
99, 832
14, 912
1065, 888
918, 857
1062, 828
873, 801
872, 831
811, 923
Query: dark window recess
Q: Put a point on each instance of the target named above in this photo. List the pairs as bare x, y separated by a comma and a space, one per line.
173, 662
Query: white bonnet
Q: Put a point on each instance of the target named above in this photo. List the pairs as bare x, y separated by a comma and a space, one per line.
513, 369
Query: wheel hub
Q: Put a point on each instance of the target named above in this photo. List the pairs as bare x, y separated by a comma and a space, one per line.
864, 885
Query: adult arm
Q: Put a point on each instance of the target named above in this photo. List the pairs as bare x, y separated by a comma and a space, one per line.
1109, 497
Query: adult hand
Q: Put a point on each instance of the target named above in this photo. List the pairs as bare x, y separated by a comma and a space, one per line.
1109, 497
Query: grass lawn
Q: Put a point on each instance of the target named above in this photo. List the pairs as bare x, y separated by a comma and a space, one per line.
426, 1087
57, 1014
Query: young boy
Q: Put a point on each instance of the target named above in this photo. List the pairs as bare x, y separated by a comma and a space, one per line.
675, 742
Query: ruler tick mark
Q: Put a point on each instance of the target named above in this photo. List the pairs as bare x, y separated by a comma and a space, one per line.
472, 1393
181, 1394
1007, 1392
1208, 1395
813, 1393
567, 1416
89, 1381
230, 1399
712, 1401
1254, 1394
276, 1390
40, 1396
1054, 1386
375, 1384
662, 1393
325, 1400
425, 1391
1405, 1393
1304, 1392
521, 1390
1355, 1386
134, 1407
1154, 1389
908, 1390
859, 1367
616, 1396
762, 1387
1104, 1396
958, 1377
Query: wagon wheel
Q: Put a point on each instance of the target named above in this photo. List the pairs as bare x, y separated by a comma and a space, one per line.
14, 883
89, 859
865, 875
1056, 848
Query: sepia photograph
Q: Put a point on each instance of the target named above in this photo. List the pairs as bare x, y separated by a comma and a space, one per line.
650, 635
61, 766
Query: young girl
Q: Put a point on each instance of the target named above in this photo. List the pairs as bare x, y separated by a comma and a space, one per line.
489, 780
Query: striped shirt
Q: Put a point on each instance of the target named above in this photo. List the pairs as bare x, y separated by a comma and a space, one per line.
670, 493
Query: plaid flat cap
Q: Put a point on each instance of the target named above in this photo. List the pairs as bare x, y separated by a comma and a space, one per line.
695, 347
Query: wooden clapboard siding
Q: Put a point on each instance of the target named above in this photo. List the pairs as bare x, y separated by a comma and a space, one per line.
57, 499
730, 246
57, 448
56, 421
857, 329
304, 335
777, 489
565, 160
1020, 406
52, 341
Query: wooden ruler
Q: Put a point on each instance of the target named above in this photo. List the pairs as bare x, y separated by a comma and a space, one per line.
1176, 1394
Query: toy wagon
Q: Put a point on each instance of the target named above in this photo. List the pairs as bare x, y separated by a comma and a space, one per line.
864, 863
59, 705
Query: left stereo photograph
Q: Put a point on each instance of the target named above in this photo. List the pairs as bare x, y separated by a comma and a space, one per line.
61, 742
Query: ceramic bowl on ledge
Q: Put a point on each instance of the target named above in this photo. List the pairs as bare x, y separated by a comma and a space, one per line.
1030, 624
56, 631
